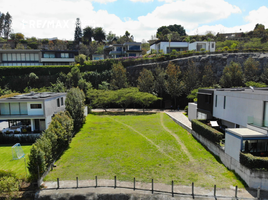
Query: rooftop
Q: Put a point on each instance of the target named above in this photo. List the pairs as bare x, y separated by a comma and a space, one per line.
245, 132
32, 96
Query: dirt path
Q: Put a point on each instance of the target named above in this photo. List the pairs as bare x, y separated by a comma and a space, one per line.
183, 147
158, 147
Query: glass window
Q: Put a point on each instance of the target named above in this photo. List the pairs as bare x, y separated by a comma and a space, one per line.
14, 57
36, 106
58, 102
134, 47
18, 57
118, 48
27, 56
32, 57
9, 57
224, 102
64, 55
23, 56
49, 55
15, 108
216, 100
36, 57
61, 101
4, 57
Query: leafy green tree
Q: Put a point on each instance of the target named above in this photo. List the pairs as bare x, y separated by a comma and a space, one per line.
81, 58
75, 99
264, 74
145, 99
58, 86
174, 85
44, 144
19, 46
126, 96
36, 162
159, 82
118, 77
103, 86
53, 140
208, 78
88, 34
255, 84
75, 76
232, 75
99, 34
84, 85
251, 70
191, 77
101, 98
146, 81
2, 18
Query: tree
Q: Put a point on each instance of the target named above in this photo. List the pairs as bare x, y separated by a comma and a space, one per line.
251, 70
169, 36
88, 34
264, 75
159, 81
118, 77
111, 37
6, 46
101, 98
75, 99
99, 34
174, 85
2, 23
191, 77
19, 46
146, 81
208, 78
164, 30
232, 75
77, 32
7, 24
19, 36
145, 99
126, 96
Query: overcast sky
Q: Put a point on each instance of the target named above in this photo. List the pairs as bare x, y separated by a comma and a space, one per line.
56, 18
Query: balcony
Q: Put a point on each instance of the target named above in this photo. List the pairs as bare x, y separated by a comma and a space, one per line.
57, 59
117, 52
257, 124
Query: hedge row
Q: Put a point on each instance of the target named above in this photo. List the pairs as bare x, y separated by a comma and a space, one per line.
254, 162
24, 139
206, 131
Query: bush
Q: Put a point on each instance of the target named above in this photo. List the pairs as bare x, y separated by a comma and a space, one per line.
254, 162
186, 110
8, 184
206, 131
11, 139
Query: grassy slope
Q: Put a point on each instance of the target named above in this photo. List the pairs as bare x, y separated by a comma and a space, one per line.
106, 146
7, 163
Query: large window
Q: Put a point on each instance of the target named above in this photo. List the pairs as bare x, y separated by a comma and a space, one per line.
216, 100
118, 48
64, 55
61, 101
134, 47
49, 55
36, 106
224, 102
58, 102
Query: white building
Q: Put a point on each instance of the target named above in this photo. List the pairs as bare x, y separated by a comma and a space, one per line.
128, 49
33, 110
181, 46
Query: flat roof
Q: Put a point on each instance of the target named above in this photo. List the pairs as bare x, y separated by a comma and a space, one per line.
245, 132
32, 96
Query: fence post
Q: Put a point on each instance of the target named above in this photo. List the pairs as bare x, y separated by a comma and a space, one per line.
172, 189
152, 186
214, 190
258, 193
193, 189
134, 184
235, 191
76, 182
96, 179
58, 183
114, 182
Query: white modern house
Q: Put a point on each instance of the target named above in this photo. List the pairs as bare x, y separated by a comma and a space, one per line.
27, 57
34, 110
242, 112
181, 46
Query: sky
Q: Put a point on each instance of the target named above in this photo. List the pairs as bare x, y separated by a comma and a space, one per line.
141, 18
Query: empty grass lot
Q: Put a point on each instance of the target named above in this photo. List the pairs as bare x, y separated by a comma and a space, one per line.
7, 163
142, 146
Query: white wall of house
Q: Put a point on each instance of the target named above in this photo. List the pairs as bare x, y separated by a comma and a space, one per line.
192, 111
32, 110
238, 106
232, 145
208, 46
165, 46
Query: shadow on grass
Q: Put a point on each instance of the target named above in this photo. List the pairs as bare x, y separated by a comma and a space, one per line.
122, 113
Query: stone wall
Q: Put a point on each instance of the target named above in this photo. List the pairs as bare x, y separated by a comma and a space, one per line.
217, 61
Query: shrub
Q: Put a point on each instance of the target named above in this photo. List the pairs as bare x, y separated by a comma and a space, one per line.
206, 131
202, 49
8, 183
254, 162
186, 110
16, 132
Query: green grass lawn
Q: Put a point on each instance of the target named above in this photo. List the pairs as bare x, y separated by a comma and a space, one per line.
140, 146
7, 163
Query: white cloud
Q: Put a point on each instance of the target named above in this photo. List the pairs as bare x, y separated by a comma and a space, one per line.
254, 17
143, 1
103, 1
56, 18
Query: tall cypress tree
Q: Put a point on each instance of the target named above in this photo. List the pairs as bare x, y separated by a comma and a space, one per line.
78, 31
7, 24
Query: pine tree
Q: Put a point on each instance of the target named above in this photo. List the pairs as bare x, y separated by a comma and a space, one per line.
78, 32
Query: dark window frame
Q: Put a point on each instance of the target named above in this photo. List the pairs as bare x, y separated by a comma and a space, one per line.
36, 106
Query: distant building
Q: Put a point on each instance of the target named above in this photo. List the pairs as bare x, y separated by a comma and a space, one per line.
27, 57
128, 49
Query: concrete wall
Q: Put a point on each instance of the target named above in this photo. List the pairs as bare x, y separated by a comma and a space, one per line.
35, 111
192, 111
232, 145
254, 179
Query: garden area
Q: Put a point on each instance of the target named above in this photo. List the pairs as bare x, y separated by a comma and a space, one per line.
140, 145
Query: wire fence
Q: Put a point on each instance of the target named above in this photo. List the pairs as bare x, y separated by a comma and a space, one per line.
149, 187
